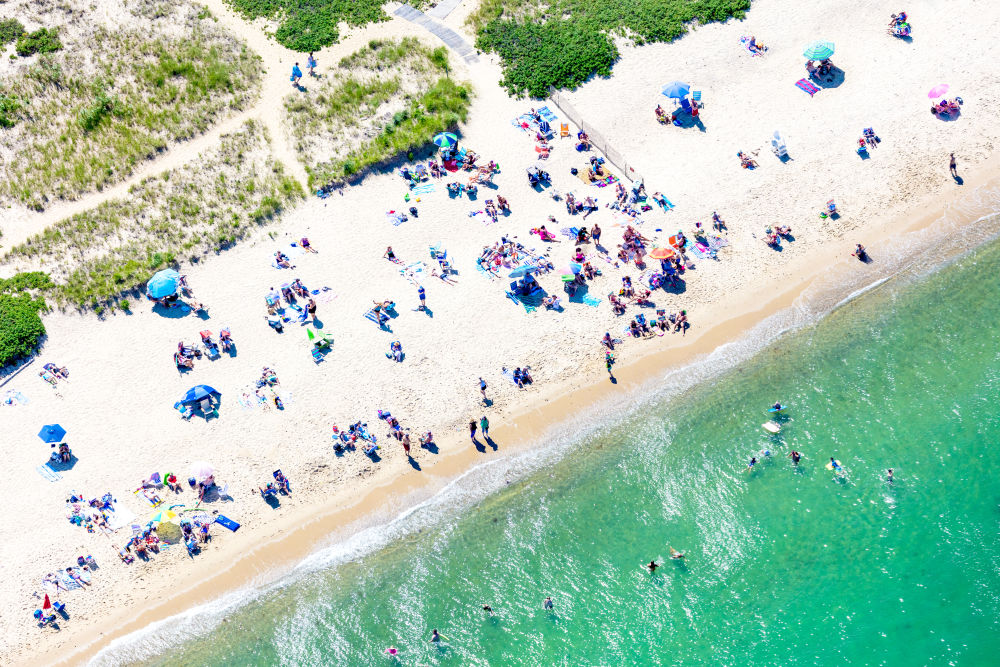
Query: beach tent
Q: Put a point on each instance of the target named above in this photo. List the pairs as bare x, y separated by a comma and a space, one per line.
676, 89
162, 284
195, 394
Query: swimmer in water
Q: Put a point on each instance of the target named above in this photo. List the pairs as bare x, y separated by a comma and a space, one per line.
548, 604
488, 609
888, 477
753, 462
834, 464
652, 566
435, 635
676, 555
794, 456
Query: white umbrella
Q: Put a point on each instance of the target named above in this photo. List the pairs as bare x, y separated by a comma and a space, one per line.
201, 470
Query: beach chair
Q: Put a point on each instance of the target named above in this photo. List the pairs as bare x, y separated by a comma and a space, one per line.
696, 98
420, 173
563, 130
319, 339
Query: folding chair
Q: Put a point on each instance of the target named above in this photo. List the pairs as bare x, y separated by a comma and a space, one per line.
564, 129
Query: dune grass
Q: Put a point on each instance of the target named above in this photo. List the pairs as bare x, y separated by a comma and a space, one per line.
203, 207
309, 25
84, 117
382, 101
562, 43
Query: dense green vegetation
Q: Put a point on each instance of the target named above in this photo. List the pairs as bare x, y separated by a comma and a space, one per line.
339, 129
10, 30
20, 324
43, 40
562, 43
203, 207
99, 110
309, 25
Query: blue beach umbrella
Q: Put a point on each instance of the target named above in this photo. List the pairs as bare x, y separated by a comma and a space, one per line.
163, 283
445, 140
195, 394
818, 50
52, 433
676, 89
523, 271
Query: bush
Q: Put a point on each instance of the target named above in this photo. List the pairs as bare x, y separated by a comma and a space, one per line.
43, 40
9, 106
309, 25
562, 43
20, 324
10, 30
103, 106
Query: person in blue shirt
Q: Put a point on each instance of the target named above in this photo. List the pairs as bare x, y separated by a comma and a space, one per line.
296, 74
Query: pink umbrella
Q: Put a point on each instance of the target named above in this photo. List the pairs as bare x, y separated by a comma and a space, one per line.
937, 91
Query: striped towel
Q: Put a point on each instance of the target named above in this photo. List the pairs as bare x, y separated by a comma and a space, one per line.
808, 86
423, 189
547, 114
48, 473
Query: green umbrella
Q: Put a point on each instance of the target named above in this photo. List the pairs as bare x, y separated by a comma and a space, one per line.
445, 140
819, 50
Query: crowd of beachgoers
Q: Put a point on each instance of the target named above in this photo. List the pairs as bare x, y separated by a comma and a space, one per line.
370, 329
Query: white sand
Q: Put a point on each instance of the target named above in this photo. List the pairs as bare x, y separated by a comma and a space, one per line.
117, 404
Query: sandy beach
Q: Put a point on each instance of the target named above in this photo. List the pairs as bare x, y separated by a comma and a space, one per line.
117, 405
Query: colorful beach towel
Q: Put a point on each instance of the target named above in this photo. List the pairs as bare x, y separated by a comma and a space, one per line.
396, 219
547, 114
423, 189
808, 86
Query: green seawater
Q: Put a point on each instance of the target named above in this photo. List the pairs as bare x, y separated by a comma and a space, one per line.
785, 565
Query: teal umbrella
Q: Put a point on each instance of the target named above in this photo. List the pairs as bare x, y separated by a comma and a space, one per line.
445, 140
819, 50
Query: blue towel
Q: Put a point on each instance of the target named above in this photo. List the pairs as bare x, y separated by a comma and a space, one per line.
547, 114
227, 522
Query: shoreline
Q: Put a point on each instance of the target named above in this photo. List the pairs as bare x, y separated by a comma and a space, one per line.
284, 542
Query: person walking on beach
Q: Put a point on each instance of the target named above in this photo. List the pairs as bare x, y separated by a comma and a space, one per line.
482, 389
311, 64
296, 75
953, 166
406, 444
311, 309
484, 426
595, 234
423, 297
472, 429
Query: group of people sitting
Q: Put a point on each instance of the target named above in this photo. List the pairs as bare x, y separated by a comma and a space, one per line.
822, 69
772, 236
52, 373
597, 170
640, 327
520, 377
947, 107
185, 355
899, 25
632, 247
493, 210
279, 485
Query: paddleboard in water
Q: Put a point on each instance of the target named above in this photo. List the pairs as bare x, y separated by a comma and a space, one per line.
829, 465
781, 409
771, 427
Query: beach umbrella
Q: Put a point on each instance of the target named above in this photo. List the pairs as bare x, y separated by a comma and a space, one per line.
201, 470
163, 516
938, 91
445, 140
571, 269
169, 533
523, 271
819, 50
676, 89
163, 283
196, 393
52, 433
47, 604
662, 253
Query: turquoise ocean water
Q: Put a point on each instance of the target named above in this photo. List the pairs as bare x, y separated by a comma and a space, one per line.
784, 566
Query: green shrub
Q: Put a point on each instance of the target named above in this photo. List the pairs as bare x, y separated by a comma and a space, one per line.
43, 40
10, 30
20, 324
102, 107
9, 107
562, 43
309, 25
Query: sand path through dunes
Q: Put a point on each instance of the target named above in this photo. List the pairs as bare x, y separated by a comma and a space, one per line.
18, 223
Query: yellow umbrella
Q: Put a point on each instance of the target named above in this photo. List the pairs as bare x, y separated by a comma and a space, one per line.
163, 516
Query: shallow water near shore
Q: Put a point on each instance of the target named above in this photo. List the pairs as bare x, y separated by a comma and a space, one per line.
784, 565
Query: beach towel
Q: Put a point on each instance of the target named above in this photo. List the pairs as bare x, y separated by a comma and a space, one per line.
423, 189
547, 114
141, 496
808, 86
717, 242
226, 522
700, 250
569, 232
585, 299
120, 518
15, 398
745, 41
396, 219
326, 296
48, 473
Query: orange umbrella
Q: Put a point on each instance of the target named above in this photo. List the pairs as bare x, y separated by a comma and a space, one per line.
662, 253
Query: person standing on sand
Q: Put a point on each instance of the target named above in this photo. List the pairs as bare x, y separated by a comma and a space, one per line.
423, 297
311, 309
953, 166
472, 429
406, 444
484, 426
595, 234
296, 75
311, 64
482, 389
